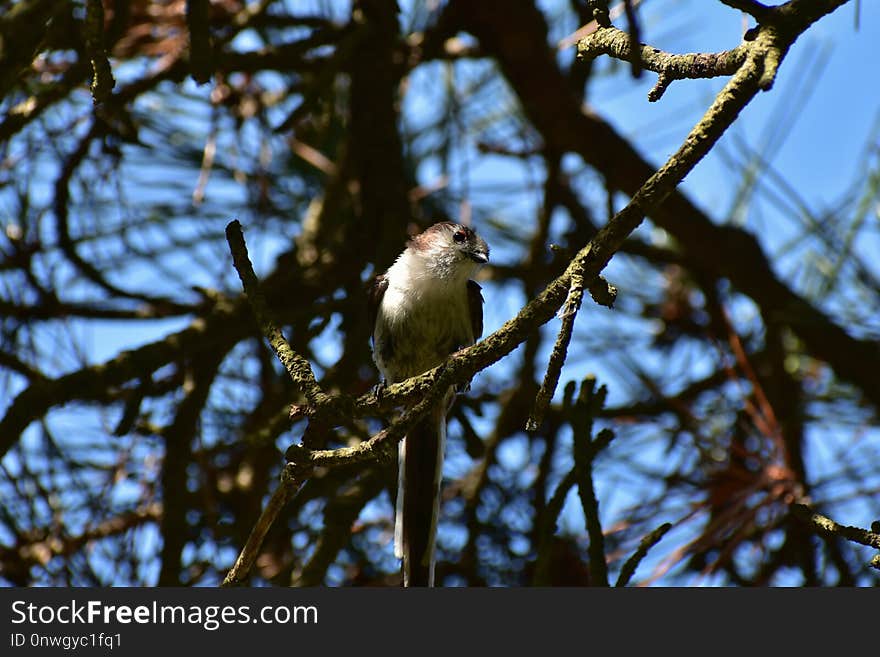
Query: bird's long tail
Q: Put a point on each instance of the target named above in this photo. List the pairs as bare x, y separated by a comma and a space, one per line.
418, 497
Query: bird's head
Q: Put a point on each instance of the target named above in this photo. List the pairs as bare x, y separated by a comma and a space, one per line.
450, 250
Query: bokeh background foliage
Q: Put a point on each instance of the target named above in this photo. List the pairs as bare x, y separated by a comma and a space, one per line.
144, 418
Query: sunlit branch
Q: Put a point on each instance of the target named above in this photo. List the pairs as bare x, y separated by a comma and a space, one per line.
297, 367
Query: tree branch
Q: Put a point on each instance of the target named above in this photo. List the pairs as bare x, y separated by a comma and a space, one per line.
649, 541
827, 527
291, 481
758, 10
93, 29
619, 44
200, 47
297, 367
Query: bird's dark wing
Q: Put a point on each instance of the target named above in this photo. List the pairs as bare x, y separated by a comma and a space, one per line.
475, 306
374, 299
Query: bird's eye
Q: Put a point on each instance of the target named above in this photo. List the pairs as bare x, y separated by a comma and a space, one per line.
459, 236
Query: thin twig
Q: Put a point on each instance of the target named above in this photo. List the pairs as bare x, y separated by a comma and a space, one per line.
647, 542
586, 448
758, 10
297, 367
635, 39
592, 26
600, 12
549, 518
291, 481
557, 358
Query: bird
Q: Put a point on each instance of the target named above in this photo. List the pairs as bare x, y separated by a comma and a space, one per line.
425, 307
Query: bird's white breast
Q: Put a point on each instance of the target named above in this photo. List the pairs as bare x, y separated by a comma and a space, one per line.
425, 318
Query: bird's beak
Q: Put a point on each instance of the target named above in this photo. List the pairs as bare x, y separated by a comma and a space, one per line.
480, 257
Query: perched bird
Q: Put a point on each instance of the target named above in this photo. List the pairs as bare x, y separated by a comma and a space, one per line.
422, 309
